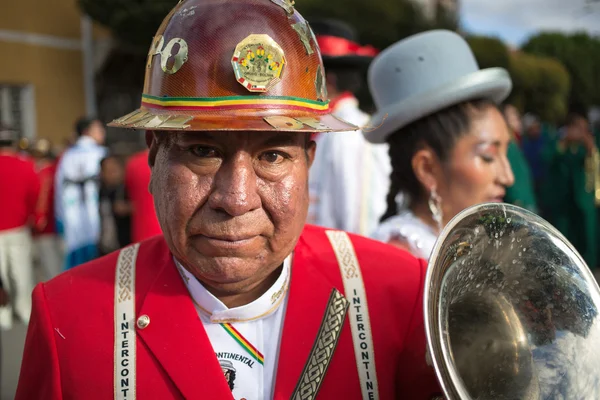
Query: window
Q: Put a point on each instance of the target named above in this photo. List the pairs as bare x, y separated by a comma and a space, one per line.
17, 109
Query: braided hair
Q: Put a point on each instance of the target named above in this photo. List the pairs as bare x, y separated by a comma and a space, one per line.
438, 131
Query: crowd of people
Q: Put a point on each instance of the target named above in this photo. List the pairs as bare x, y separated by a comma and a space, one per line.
236, 269
437, 146
62, 209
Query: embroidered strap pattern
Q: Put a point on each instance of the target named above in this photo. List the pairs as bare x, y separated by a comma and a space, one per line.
323, 348
360, 323
125, 340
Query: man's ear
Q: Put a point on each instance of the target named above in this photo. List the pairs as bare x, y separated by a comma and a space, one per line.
310, 152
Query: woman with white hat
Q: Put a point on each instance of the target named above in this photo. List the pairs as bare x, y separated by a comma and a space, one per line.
448, 141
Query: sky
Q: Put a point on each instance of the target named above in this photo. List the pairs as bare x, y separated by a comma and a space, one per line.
516, 20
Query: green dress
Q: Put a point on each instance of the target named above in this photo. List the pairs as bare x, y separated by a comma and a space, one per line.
569, 197
521, 193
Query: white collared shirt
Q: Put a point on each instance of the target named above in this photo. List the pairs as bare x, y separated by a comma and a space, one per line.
407, 227
259, 323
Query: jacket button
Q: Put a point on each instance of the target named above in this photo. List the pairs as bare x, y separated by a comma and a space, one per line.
143, 321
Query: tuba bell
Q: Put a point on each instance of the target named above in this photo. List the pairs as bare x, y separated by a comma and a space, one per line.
511, 310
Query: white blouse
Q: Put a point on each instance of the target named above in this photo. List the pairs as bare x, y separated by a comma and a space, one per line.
408, 228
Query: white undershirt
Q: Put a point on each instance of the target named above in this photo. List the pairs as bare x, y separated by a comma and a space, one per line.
259, 322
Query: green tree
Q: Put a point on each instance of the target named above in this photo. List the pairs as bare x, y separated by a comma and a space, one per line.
540, 85
379, 22
489, 51
580, 54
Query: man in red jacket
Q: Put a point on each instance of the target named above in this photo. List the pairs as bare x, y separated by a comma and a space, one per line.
47, 242
238, 299
144, 223
19, 189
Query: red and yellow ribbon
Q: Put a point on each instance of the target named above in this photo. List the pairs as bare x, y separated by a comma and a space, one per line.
238, 337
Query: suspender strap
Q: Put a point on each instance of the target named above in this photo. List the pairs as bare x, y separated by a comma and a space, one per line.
125, 337
324, 346
360, 322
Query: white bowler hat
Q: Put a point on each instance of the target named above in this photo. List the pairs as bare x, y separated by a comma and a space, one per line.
426, 73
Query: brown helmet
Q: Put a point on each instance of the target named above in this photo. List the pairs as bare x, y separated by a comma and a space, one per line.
234, 65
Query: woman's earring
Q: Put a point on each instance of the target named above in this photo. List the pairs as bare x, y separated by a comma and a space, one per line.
435, 206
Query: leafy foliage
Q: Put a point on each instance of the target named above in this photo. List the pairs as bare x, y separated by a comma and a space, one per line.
379, 22
541, 86
580, 54
489, 51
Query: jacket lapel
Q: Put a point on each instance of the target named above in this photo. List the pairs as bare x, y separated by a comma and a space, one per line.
308, 297
175, 335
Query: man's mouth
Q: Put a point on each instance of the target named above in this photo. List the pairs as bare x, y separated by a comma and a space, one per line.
227, 241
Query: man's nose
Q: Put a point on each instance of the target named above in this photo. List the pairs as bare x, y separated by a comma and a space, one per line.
236, 190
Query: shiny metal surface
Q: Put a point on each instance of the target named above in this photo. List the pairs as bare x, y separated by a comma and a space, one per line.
511, 309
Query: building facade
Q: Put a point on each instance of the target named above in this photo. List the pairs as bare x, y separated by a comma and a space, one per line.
46, 73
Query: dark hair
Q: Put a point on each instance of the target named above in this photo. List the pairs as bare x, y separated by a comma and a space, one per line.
231, 380
439, 131
82, 125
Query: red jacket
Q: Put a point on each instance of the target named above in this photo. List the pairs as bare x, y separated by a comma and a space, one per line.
19, 190
44, 214
69, 349
144, 223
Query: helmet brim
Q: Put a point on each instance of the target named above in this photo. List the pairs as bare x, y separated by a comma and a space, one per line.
171, 120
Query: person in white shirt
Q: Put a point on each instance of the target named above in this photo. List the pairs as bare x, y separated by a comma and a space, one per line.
77, 193
350, 176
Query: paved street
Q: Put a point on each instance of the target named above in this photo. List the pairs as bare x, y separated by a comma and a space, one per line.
12, 350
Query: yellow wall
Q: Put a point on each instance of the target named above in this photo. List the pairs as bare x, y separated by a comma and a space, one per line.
55, 74
49, 17
57, 78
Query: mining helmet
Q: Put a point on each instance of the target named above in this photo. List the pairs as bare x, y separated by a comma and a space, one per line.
234, 65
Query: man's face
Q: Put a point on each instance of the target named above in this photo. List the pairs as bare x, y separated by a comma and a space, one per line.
111, 172
97, 132
231, 204
584, 125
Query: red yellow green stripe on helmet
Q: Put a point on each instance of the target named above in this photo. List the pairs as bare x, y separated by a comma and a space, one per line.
250, 349
234, 102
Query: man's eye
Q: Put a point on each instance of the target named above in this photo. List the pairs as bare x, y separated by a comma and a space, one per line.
203, 151
272, 157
